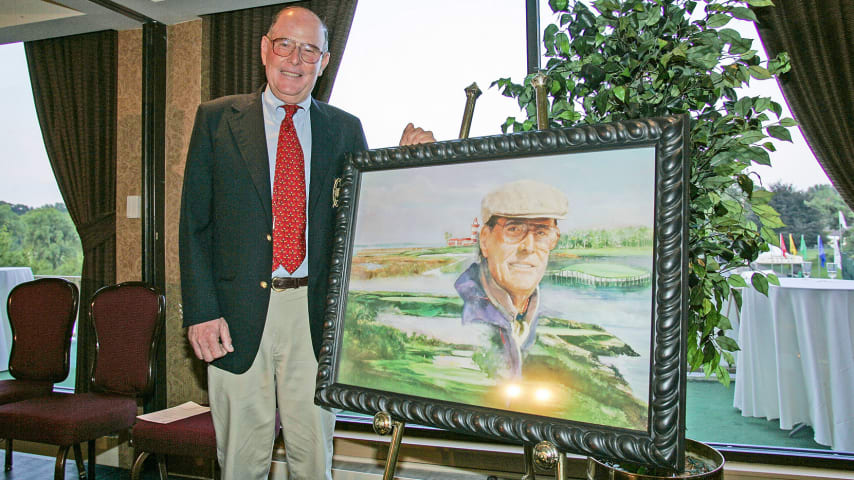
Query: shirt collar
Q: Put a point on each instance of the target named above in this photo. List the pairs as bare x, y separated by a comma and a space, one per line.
273, 102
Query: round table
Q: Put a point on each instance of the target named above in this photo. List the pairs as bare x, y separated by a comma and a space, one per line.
797, 357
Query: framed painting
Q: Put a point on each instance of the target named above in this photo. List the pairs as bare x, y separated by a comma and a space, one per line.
521, 287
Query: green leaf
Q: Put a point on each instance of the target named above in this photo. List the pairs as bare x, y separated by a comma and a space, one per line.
736, 281
562, 42
723, 376
565, 18
761, 104
727, 343
730, 359
744, 13
762, 196
760, 283
759, 73
760, 3
780, 133
755, 154
558, 5
768, 234
788, 122
736, 295
724, 323
770, 218
620, 93
751, 136
772, 279
717, 20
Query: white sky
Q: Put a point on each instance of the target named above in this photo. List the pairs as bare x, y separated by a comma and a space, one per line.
414, 68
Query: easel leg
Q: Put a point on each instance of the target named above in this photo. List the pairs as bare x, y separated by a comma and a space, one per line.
529, 463
382, 426
546, 456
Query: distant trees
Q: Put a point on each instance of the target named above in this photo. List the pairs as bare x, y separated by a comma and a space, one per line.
828, 203
809, 213
610, 238
43, 239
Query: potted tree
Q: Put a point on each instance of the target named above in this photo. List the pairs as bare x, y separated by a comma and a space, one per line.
611, 60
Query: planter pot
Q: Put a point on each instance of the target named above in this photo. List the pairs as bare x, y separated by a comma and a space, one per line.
597, 470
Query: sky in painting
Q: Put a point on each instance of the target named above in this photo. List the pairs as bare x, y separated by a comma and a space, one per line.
419, 205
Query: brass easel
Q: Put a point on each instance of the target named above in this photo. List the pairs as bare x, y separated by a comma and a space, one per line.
546, 456
472, 92
383, 424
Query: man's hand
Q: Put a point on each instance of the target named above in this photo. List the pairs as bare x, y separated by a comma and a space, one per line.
413, 136
210, 340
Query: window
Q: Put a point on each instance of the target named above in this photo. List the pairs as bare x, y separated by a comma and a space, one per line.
36, 231
711, 415
412, 63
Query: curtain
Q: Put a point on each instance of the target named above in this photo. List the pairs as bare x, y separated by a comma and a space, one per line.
235, 45
74, 88
819, 38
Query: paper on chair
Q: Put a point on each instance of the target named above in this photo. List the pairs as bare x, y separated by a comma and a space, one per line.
175, 413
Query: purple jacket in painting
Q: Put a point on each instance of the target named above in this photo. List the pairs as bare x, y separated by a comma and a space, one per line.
478, 309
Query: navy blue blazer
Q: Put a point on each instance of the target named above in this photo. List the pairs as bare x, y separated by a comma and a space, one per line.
226, 221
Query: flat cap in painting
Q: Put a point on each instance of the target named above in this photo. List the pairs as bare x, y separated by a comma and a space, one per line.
524, 199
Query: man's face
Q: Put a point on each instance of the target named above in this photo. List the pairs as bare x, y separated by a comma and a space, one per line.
518, 264
290, 78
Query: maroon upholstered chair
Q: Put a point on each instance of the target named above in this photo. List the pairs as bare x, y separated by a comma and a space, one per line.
190, 437
127, 320
41, 314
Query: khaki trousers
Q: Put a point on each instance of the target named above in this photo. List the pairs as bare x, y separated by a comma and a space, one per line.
243, 406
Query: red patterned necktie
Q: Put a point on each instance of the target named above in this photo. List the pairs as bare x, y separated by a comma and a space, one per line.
289, 197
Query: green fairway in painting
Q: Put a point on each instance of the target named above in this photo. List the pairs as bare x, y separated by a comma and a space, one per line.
562, 376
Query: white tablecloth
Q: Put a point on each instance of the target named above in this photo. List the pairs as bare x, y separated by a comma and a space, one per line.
9, 277
797, 357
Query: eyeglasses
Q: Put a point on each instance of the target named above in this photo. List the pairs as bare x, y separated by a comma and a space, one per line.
545, 236
284, 47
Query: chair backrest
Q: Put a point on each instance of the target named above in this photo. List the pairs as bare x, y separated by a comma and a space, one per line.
41, 315
127, 320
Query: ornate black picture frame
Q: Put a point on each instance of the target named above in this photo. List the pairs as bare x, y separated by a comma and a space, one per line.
659, 437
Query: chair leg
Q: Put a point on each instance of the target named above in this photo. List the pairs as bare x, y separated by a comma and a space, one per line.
8, 466
78, 459
61, 455
161, 466
137, 465
90, 447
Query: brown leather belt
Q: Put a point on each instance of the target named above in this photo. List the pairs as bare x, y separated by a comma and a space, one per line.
284, 283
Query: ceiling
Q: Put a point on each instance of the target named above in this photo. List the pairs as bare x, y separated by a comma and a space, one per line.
24, 20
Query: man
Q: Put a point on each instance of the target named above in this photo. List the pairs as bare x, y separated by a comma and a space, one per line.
258, 193
501, 292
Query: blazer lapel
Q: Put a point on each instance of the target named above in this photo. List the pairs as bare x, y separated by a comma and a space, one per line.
321, 174
247, 126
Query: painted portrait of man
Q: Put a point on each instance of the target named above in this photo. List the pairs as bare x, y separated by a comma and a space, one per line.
501, 290
522, 286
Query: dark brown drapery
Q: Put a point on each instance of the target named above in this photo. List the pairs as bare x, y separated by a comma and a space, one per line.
819, 37
235, 45
74, 88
